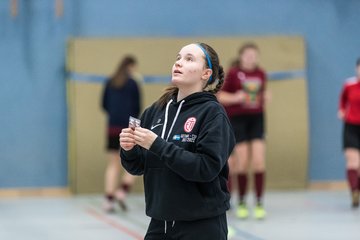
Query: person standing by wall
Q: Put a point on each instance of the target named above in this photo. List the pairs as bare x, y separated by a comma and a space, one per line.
121, 99
349, 112
243, 96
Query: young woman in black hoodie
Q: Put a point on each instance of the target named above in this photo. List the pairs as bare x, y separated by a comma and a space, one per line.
182, 149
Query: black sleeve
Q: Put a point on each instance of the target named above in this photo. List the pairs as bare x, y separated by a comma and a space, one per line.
215, 144
134, 161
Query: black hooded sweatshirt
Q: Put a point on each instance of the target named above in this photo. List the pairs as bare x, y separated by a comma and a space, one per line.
185, 170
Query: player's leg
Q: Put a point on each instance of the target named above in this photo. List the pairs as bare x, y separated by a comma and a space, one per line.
127, 182
257, 133
351, 143
238, 163
232, 171
242, 153
258, 167
111, 180
352, 169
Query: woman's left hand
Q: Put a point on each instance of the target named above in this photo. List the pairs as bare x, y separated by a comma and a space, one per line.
144, 137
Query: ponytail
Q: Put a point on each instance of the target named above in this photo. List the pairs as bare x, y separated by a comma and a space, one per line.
218, 75
168, 94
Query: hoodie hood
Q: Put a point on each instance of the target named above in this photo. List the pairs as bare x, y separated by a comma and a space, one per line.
195, 98
187, 102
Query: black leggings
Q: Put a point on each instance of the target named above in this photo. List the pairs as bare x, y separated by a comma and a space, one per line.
205, 229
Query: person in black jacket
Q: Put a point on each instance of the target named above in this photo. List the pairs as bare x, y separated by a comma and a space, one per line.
121, 99
182, 149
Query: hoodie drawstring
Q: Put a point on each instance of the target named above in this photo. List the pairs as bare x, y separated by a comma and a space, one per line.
166, 119
173, 224
163, 135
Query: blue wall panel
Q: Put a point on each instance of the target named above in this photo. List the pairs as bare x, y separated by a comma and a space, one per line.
33, 45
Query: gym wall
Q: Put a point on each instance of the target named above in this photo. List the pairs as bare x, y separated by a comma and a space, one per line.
91, 60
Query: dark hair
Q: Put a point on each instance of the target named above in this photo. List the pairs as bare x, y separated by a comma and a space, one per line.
212, 86
242, 49
235, 63
246, 46
122, 75
358, 62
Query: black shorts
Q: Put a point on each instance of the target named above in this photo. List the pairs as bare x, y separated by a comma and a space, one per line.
248, 127
351, 136
113, 143
205, 229
113, 138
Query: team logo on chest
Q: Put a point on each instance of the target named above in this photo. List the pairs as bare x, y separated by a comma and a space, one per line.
189, 124
241, 76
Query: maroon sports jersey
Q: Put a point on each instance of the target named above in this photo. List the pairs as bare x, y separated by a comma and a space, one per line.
350, 101
252, 83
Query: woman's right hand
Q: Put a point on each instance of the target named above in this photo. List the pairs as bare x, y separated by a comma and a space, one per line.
126, 139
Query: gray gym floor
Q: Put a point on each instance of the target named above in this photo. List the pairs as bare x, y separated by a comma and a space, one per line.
291, 215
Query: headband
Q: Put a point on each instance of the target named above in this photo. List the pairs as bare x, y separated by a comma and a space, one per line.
207, 59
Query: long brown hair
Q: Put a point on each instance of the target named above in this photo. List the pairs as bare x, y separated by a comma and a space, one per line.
212, 86
249, 45
121, 75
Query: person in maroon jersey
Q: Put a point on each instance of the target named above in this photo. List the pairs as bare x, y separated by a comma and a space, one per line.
243, 96
349, 112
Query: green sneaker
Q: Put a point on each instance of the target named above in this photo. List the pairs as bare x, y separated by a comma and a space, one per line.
231, 232
355, 198
242, 211
259, 212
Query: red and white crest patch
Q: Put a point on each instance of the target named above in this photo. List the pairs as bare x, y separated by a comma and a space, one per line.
189, 124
